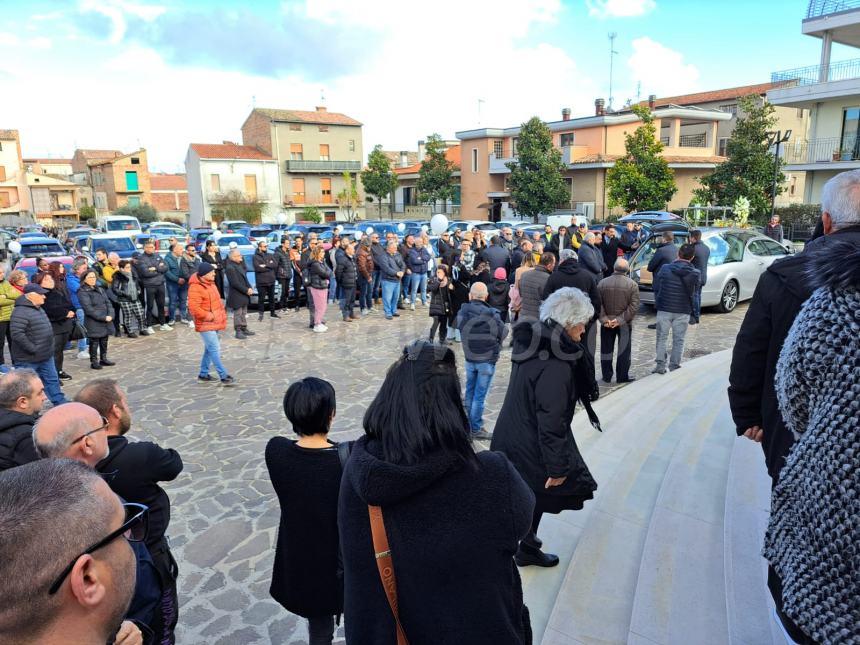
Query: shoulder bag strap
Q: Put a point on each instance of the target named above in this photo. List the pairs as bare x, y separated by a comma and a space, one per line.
386, 566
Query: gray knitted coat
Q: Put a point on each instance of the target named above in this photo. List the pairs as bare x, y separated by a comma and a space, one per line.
813, 540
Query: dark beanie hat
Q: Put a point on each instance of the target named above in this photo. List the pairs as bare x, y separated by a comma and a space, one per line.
204, 268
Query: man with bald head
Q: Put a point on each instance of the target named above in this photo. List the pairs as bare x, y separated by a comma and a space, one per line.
482, 332
68, 572
72, 430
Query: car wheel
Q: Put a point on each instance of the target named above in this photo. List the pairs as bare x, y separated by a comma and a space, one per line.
729, 297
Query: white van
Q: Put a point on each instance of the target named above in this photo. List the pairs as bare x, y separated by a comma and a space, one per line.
570, 221
120, 224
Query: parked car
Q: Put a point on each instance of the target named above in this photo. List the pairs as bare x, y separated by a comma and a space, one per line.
232, 225
199, 236
73, 234
123, 245
168, 231
254, 233
306, 229
248, 257
738, 258
242, 243
651, 217
32, 247
379, 227
28, 265
32, 234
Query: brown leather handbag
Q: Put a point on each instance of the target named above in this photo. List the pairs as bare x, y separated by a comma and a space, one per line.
386, 567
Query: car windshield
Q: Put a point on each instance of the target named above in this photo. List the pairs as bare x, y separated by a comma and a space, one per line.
112, 244
259, 232
735, 243
73, 234
241, 240
249, 262
167, 231
42, 247
121, 225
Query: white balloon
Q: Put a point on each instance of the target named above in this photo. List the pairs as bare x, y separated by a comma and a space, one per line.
14, 246
233, 245
339, 228
369, 230
424, 228
281, 218
469, 227
358, 235
439, 224
401, 227
217, 234
214, 226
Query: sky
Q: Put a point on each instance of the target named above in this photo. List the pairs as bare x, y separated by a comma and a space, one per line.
122, 74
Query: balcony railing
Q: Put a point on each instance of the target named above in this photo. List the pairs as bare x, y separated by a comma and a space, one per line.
814, 74
693, 140
294, 165
819, 8
830, 150
497, 164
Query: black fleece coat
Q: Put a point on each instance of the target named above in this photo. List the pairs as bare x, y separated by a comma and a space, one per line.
133, 469
237, 284
570, 274
304, 576
453, 530
16, 439
534, 424
97, 307
777, 300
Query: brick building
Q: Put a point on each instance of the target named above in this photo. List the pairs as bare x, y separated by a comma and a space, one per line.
116, 179
169, 196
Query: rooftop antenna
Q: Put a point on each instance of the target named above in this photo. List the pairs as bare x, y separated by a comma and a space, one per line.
612, 36
322, 96
253, 101
480, 102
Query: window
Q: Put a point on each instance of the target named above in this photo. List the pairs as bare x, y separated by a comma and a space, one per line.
324, 152
251, 186
499, 148
474, 160
296, 127
723, 147
131, 180
325, 188
735, 251
566, 139
352, 145
793, 186
298, 191
134, 200
85, 201
758, 248
515, 142
4, 200
296, 153
850, 145
135, 161
2, 173
773, 248
215, 183
731, 108
323, 128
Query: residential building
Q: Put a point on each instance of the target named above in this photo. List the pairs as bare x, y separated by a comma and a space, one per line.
590, 146
406, 198
788, 120
61, 168
313, 149
14, 195
54, 200
222, 173
169, 196
831, 92
116, 179
401, 158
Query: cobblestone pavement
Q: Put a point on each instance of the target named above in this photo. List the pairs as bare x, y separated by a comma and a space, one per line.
225, 515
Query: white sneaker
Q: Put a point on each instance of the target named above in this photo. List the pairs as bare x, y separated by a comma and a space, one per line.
412, 306
320, 329
150, 330
325, 327
170, 323
371, 310
363, 312
165, 328
190, 323
83, 354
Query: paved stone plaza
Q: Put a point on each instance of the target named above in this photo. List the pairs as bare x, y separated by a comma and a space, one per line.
225, 515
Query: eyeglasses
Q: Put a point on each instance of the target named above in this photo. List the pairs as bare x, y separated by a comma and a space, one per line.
103, 426
134, 529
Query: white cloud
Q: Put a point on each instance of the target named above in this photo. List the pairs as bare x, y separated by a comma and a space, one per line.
117, 10
40, 42
8, 40
619, 8
662, 71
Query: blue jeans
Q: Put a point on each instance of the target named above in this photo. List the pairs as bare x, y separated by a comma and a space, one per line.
82, 343
390, 295
479, 376
332, 288
211, 354
47, 371
418, 280
178, 295
365, 297
377, 280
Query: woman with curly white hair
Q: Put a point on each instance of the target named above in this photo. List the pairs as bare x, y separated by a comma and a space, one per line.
550, 373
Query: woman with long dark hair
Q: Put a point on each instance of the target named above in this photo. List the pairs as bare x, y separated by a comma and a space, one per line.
212, 255
451, 518
61, 312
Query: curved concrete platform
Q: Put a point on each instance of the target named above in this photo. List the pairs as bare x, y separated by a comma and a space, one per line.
669, 549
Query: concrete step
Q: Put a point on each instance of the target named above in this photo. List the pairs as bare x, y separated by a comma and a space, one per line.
644, 422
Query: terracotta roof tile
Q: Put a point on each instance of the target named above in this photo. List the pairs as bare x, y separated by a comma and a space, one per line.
228, 151
306, 116
92, 155
164, 181
8, 135
728, 94
452, 154
394, 157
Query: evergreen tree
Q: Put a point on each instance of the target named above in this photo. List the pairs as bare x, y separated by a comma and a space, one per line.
750, 166
436, 174
378, 178
642, 179
536, 182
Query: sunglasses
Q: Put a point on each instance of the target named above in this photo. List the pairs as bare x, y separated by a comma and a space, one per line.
103, 426
134, 529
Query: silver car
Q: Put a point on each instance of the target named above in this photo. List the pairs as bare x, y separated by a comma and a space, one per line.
738, 258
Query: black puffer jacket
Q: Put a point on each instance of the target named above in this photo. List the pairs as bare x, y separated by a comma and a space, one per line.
534, 424
456, 579
320, 274
238, 284
265, 265
499, 296
32, 333
124, 287
57, 305
570, 274
97, 307
151, 270
482, 332
346, 272
674, 287
440, 297
16, 439
666, 253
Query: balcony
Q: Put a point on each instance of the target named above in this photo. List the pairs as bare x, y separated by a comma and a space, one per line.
814, 74
497, 164
216, 197
834, 150
834, 21
819, 8
325, 167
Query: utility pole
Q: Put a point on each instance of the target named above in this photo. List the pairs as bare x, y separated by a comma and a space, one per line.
612, 36
775, 139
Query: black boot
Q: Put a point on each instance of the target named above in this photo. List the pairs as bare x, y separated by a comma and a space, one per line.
104, 361
94, 355
248, 332
240, 334
528, 555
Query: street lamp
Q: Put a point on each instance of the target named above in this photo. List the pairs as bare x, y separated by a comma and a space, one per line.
775, 139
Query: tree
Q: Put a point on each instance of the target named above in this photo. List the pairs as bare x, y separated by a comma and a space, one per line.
312, 214
348, 197
378, 178
642, 179
436, 174
750, 167
536, 182
236, 205
143, 212
87, 212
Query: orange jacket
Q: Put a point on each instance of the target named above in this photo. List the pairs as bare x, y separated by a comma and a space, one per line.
204, 303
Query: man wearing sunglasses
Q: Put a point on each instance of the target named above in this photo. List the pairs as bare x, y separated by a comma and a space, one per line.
68, 572
77, 431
